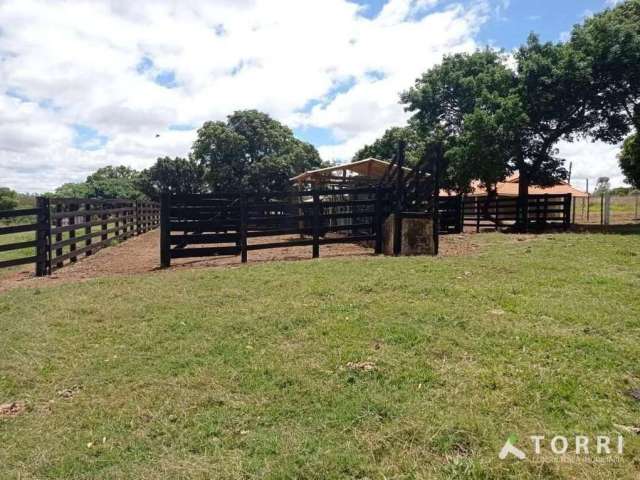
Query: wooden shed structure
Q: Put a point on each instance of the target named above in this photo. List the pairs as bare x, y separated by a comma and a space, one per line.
363, 172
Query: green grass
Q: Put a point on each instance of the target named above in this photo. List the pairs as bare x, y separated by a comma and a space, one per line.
241, 373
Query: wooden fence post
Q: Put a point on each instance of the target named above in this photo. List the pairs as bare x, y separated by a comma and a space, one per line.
87, 229
59, 209
165, 246
137, 218
400, 191
315, 225
105, 222
72, 233
116, 223
378, 221
436, 198
243, 228
567, 211
43, 238
602, 208
477, 205
461, 214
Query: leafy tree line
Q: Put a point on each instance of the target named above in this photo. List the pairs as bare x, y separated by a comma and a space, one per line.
492, 120
249, 152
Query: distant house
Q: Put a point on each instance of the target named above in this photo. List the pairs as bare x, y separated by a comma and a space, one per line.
509, 188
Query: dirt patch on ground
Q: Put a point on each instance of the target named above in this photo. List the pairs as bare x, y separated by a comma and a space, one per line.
140, 255
12, 409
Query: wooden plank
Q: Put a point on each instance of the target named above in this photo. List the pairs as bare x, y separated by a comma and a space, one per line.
204, 252
19, 213
281, 231
204, 238
289, 243
19, 261
31, 227
61, 229
7, 247
350, 239
82, 212
195, 226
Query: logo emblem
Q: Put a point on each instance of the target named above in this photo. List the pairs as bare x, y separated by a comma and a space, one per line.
510, 448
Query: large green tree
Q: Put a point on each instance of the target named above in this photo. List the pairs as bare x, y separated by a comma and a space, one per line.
495, 120
555, 92
609, 43
459, 103
251, 152
172, 175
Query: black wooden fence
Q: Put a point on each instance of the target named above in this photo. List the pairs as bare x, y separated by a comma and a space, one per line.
542, 211
67, 229
235, 224
26, 220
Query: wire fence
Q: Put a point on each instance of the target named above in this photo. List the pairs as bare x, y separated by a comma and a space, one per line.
606, 210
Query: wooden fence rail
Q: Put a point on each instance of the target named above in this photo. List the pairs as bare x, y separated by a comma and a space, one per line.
67, 229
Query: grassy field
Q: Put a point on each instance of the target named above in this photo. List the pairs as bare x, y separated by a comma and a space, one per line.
257, 372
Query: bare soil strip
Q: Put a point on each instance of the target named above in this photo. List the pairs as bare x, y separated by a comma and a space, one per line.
140, 255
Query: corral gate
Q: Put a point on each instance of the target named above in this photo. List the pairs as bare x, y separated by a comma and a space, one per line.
234, 224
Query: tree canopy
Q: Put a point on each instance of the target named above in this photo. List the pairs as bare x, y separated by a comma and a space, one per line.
106, 182
172, 175
629, 159
494, 120
609, 43
251, 152
469, 103
385, 147
8, 199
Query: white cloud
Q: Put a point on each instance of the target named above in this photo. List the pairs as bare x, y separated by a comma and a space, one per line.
591, 160
77, 63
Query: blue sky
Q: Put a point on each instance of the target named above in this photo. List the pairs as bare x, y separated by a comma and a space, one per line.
123, 83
